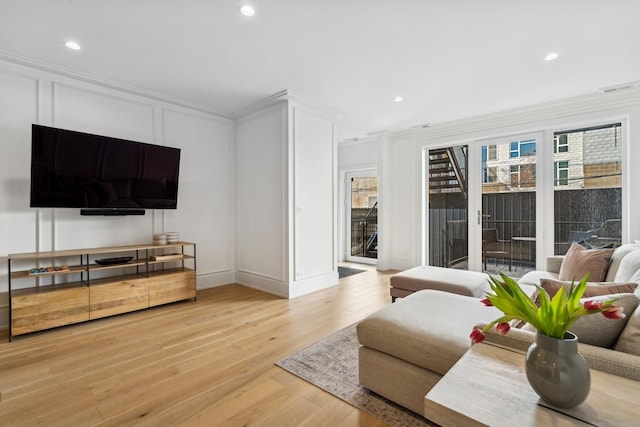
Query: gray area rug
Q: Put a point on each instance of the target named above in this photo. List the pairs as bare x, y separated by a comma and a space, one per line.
332, 365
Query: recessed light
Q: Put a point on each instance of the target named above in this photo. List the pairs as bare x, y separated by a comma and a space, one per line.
397, 99
551, 56
247, 10
72, 45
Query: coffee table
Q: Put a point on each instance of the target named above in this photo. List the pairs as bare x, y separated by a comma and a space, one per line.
488, 386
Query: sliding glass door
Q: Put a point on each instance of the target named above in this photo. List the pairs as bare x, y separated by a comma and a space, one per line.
448, 206
507, 213
502, 205
482, 205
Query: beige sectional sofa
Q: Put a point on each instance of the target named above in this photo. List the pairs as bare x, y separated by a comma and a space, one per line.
408, 346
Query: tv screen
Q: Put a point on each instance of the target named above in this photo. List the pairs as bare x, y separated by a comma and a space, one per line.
72, 169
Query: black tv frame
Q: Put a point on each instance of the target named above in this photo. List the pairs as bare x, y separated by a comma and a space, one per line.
92, 179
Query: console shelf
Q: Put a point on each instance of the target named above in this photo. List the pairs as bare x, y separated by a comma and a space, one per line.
85, 290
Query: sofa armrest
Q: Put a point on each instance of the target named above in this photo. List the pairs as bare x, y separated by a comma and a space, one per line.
603, 359
553, 263
611, 361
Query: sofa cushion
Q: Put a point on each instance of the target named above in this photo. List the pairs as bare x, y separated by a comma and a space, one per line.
595, 329
579, 261
533, 278
592, 290
629, 340
616, 258
463, 282
629, 266
428, 328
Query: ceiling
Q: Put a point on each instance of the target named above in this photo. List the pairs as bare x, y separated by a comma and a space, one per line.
447, 59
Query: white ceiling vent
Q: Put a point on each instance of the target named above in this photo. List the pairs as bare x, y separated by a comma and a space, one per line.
620, 87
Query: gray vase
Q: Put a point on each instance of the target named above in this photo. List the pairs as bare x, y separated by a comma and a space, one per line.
557, 372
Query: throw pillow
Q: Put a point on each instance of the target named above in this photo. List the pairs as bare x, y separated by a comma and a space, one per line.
595, 329
629, 341
593, 289
579, 261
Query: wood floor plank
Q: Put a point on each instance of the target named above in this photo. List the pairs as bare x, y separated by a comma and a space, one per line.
209, 361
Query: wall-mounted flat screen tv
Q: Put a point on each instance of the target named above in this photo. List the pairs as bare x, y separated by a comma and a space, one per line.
72, 169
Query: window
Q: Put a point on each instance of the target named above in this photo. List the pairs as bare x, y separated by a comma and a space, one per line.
523, 176
587, 166
489, 174
515, 174
522, 149
561, 173
561, 143
492, 152
514, 150
489, 152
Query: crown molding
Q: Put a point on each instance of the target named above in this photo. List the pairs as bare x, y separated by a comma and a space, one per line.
525, 115
267, 102
60, 71
293, 97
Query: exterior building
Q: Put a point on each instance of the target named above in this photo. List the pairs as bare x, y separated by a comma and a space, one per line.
583, 158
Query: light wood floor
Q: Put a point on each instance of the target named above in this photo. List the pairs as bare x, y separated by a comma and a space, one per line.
203, 363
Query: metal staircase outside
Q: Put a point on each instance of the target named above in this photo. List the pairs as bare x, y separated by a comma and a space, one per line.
448, 170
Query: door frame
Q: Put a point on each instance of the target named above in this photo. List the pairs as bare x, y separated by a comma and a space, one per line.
425, 249
348, 174
475, 193
474, 200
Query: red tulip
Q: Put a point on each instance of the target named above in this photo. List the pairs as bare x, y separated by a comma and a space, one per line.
503, 328
590, 305
486, 302
476, 336
614, 312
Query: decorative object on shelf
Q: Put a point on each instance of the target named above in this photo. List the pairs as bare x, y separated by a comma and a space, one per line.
173, 236
50, 269
554, 368
165, 257
556, 371
160, 239
113, 261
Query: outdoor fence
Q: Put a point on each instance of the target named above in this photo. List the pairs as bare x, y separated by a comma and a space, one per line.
514, 215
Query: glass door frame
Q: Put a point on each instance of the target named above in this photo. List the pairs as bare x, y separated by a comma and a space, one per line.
544, 169
545, 225
347, 217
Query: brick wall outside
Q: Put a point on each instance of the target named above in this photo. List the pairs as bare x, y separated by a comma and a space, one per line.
603, 175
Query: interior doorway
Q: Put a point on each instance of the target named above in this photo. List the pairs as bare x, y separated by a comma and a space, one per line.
361, 189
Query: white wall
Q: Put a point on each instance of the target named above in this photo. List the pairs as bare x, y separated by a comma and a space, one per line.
285, 157
206, 198
262, 210
314, 192
360, 155
206, 210
402, 228
357, 156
